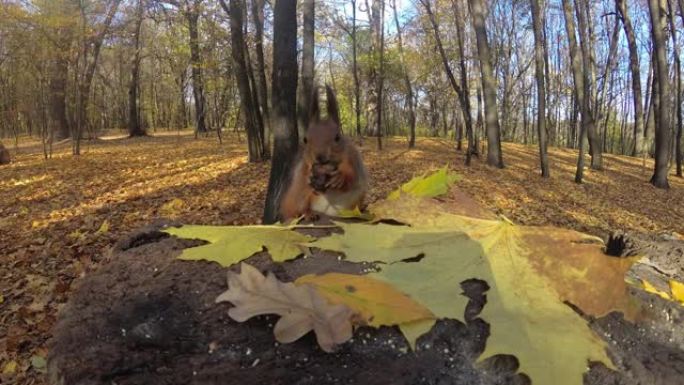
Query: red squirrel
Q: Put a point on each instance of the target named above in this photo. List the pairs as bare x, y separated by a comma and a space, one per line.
329, 175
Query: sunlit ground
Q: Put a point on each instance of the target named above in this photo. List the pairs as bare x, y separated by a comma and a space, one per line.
57, 218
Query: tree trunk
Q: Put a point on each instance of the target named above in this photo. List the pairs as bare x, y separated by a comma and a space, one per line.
307, 80
357, 86
254, 140
182, 115
262, 86
407, 80
678, 89
525, 117
284, 86
375, 83
192, 16
578, 75
464, 95
635, 69
657, 11
258, 118
539, 60
494, 156
134, 126
461, 89
680, 124
86, 78
589, 86
603, 105
58, 83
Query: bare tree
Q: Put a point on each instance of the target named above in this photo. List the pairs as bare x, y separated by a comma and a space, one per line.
307, 80
657, 11
192, 14
247, 99
61, 36
89, 55
461, 89
134, 126
407, 80
494, 155
357, 86
588, 72
375, 77
678, 88
284, 85
578, 75
191, 9
539, 60
262, 87
634, 67
464, 95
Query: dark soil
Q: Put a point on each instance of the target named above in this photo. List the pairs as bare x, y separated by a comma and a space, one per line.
149, 318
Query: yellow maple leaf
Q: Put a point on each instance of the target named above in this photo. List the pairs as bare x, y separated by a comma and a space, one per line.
232, 244
654, 290
677, 289
377, 302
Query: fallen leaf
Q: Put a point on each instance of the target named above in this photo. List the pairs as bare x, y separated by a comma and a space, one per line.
654, 290
525, 310
39, 364
387, 243
355, 213
573, 263
10, 367
531, 271
172, 208
676, 287
301, 308
104, 227
427, 185
76, 234
231, 244
376, 302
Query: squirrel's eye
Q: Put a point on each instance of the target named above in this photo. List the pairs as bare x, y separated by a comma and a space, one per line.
305, 140
337, 138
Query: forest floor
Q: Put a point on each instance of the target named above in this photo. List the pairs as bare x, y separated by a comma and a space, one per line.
58, 218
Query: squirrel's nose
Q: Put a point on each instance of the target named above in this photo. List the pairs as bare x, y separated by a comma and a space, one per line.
321, 159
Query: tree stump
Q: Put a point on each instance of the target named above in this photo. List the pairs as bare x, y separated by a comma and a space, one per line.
149, 318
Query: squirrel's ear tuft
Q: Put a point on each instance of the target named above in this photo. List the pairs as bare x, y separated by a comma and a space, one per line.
314, 109
333, 108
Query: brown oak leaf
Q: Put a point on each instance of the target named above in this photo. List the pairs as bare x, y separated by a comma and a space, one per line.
300, 307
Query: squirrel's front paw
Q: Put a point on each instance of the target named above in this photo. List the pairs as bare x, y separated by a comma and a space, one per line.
335, 181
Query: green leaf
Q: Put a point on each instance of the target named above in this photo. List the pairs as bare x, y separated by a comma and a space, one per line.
427, 186
231, 244
355, 213
387, 243
531, 271
39, 364
527, 317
